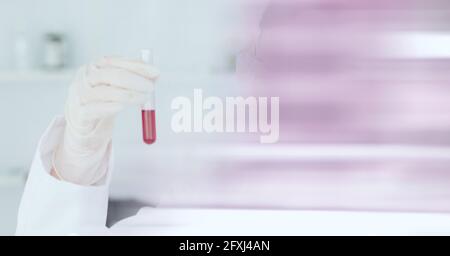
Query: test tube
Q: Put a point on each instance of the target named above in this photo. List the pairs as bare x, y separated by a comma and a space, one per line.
148, 108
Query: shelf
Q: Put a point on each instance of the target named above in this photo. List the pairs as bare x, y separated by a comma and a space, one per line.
320, 152
292, 152
36, 75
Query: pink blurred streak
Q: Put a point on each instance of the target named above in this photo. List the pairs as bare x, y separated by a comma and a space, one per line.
333, 63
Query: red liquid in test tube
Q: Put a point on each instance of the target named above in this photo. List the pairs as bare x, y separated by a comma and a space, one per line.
148, 109
148, 126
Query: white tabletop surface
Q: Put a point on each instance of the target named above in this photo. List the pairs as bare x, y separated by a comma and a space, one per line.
154, 221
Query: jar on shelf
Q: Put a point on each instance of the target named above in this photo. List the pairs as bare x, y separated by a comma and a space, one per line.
54, 51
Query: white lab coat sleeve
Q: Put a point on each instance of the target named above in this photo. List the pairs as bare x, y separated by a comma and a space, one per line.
53, 207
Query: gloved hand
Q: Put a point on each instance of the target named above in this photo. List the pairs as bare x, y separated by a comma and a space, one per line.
98, 93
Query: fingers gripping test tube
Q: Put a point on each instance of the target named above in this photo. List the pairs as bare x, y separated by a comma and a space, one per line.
148, 108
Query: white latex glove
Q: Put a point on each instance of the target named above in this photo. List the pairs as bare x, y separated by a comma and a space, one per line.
98, 93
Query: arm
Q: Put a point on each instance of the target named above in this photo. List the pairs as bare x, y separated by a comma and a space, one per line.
67, 188
54, 207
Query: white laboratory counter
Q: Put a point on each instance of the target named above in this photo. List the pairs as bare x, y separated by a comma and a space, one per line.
157, 221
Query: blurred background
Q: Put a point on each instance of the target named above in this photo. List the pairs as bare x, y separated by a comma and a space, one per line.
363, 86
